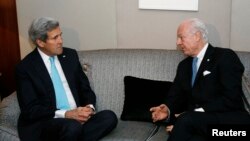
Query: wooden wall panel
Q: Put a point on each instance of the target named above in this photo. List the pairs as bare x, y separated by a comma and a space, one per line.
9, 46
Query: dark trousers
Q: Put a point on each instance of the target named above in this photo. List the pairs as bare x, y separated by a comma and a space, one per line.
61, 129
193, 126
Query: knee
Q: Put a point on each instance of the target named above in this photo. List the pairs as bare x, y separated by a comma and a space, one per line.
72, 129
184, 119
109, 117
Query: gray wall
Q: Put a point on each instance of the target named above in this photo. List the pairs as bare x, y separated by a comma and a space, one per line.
157, 28
240, 25
86, 24
102, 24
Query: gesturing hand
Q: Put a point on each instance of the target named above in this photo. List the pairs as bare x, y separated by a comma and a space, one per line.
159, 112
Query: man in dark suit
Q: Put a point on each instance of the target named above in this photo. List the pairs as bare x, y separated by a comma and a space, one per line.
213, 97
42, 117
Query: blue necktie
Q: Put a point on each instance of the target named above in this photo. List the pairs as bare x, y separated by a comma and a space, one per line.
61, 98
194, 69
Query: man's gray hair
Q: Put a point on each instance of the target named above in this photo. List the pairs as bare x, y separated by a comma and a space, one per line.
40, 27
199, 25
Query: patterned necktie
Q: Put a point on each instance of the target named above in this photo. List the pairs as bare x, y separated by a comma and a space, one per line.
194, 69
61, 97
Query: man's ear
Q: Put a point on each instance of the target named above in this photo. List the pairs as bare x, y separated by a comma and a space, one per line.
40, 43
198, 36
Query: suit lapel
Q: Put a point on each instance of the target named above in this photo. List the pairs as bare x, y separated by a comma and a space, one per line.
63, 58
205, 62
67, 70
42, 72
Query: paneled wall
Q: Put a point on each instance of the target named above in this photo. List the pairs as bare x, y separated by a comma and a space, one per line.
9, 47
95, 24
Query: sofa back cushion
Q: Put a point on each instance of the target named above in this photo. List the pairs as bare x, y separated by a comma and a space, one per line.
109, 67
142, 94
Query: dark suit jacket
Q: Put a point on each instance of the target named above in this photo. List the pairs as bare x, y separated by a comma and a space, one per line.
217, 87
36, 94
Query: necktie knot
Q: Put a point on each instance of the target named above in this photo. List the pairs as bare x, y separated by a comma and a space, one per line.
195, 60
52, 60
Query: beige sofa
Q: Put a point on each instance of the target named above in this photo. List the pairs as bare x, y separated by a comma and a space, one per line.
106, 70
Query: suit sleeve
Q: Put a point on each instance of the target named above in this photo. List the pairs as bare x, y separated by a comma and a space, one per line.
33, 104
177, 96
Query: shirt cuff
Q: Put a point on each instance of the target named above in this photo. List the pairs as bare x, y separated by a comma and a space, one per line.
199, 110
168, 118
60, 114
91, 106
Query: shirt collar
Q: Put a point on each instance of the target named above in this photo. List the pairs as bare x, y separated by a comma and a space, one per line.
44, 56
201, 54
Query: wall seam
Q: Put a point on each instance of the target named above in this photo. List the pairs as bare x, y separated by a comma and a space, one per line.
230, 30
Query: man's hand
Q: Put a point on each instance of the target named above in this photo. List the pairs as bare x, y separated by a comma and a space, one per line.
169, 128
81, 114
159, 113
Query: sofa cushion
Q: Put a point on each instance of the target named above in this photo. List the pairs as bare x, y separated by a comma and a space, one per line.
9, 113
142, 94
160, 135
134, 131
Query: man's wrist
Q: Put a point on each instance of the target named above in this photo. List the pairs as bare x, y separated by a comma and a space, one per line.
91, 106
168, 115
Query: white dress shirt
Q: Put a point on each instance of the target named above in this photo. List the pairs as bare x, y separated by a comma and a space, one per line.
71, 100
200, 57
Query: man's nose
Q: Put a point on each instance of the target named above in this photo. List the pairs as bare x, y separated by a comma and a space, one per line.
60, 39
178, 41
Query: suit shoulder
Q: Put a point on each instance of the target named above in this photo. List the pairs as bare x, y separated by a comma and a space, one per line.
225, 52
72, 53
27, 59
220, 49
68, 50
227, 55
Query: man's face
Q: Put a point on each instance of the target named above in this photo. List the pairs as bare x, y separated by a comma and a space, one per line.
53, 45
187, 41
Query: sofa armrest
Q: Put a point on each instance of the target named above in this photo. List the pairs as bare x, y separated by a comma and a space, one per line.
9, 110
246, 90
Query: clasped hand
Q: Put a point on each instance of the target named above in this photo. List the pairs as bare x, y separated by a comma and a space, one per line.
81, 114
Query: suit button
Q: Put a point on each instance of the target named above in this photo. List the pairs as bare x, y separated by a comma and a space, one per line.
197, 106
